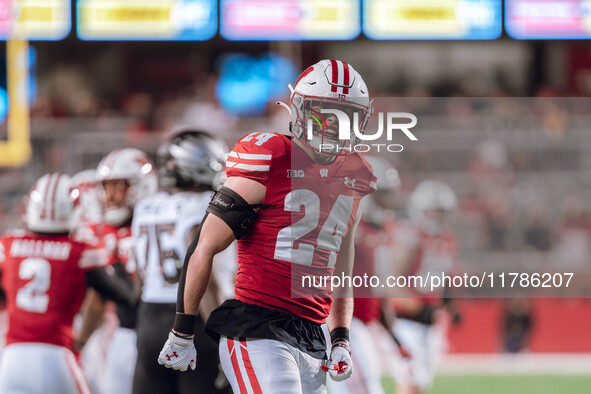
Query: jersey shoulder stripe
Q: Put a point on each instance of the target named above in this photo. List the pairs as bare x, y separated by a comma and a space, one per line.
253, 156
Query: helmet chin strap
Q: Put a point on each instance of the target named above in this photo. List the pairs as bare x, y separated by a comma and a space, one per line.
281, 103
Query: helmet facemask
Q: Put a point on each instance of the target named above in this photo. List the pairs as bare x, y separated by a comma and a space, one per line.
132, 167
316, 121
117, 209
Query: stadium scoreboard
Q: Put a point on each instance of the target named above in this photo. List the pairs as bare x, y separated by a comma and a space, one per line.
290, 19
34, 19
178, 20
272, 20
432, 19
548, 19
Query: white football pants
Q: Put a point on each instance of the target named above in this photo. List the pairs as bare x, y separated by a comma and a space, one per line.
121, 360
39, 368
426, 344
94, 354
266, 366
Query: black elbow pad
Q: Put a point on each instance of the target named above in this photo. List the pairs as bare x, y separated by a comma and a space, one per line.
233, 210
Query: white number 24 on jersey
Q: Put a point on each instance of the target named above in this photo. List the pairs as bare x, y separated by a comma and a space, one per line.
330, 236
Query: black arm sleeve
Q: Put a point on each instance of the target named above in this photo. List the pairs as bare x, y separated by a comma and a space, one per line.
235, 212
118, 288
238, 215
180, 296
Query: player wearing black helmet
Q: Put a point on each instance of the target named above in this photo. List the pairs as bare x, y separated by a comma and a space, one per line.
189, 165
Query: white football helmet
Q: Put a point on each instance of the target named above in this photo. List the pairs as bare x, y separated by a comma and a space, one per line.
133, 166
431, 196
329, 85
379, 206
85, 193
388, 179
50, 205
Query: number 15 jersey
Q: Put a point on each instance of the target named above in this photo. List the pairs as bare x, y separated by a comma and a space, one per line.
307, 211
161, 225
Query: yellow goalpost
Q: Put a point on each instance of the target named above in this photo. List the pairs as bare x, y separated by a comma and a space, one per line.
16, 149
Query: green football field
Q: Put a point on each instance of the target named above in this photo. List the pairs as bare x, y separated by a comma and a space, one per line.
508, 384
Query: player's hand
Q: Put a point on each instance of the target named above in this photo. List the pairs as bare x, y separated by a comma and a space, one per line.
340, 365
178, 353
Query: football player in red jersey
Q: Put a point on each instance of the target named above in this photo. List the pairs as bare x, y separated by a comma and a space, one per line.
426, 245
124, 177
88, 213
87, 209
293, 206
373, 254
45, 274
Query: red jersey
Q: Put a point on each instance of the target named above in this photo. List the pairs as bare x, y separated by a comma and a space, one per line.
43, 277
373, 247
307, 210
436, 254
117, 242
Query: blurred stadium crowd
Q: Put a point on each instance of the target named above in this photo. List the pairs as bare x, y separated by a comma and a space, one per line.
520, 168
92, 97
504, 122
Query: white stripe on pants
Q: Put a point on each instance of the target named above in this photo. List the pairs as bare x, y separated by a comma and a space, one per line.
267, 366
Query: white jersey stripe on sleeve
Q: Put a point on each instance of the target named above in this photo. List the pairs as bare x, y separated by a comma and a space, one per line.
250, 167
250, 156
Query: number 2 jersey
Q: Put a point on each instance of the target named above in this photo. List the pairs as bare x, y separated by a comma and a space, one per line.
307, 211
43, 277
